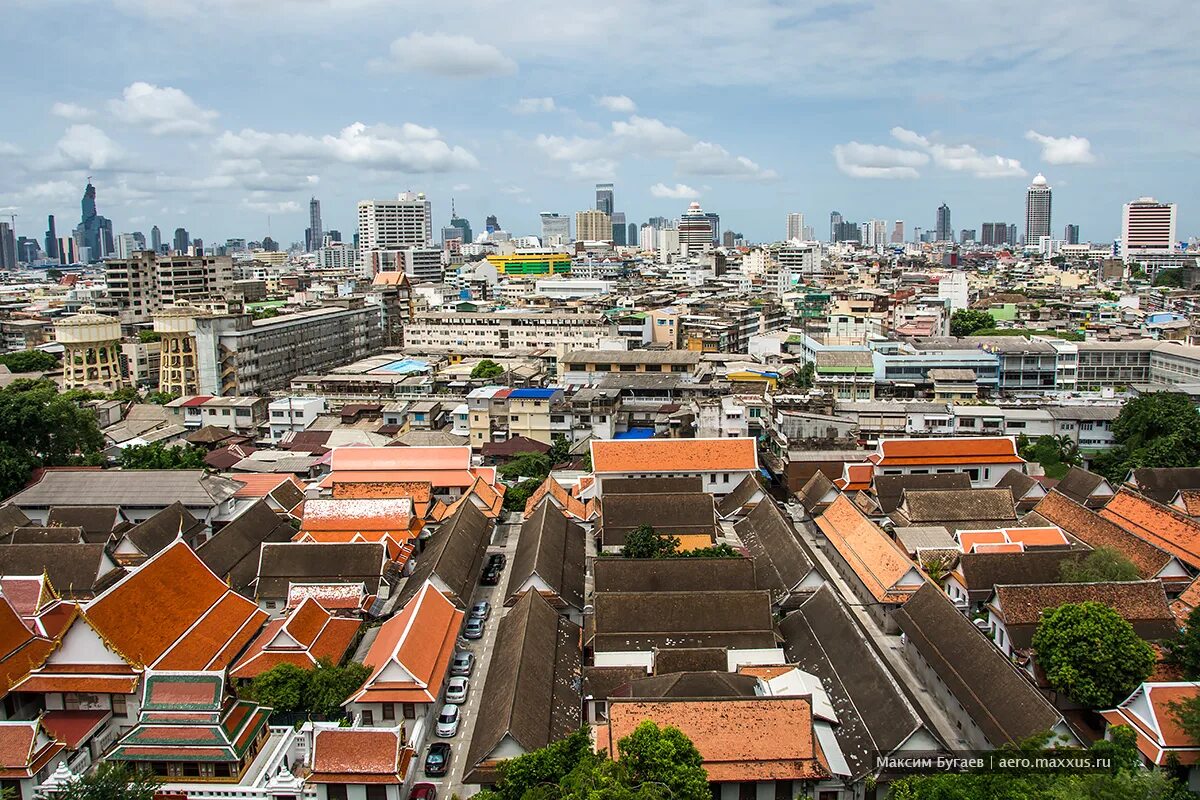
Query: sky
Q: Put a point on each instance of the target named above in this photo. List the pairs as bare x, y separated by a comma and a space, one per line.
226, 116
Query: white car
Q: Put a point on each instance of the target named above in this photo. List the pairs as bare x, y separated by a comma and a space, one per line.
456, 690
447, 721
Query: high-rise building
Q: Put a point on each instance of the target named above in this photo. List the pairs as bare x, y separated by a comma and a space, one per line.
126, 245
1012, 235
457, 222
715, 219
1037, 211
146, 282
618, 228
315, 234
28, 249
593, 225
94, 232
269, 245
659, 223
631, 234
68, 250
835, 222
51, 238
181, 242
898, 232
604, 198
198, 247
556, 229
396, 224
8, 246
728, 238
1071, 234
1147, 226
156, 239
491, 224
944, 232
795, 227
967, 235
695, 230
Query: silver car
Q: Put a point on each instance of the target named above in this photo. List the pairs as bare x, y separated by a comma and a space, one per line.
456, 690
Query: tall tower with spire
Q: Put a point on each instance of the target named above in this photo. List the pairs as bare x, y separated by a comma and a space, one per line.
1037, 211
463, 225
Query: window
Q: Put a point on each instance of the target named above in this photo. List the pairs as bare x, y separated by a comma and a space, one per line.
973, 474
335, 791
747, 790
118, 704
376, 791
783, 790
367, 717
409, 710
389, 711
966, 422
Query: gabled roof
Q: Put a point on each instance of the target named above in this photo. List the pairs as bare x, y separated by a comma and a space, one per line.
550, 551
283, 563
818, 491
1161, 525
155, 533
77, 571
20, 649
411, 654
743, 493
233, 552
98, 522
284, 489
25, 749
643, 621
1022, 486
359, 755
453, 555
308, 634
483, 495
1085, 488
1161, 483
947, 451
532, 693
955, 509
563, 500
376, 514
855, 477
656, 485
706, 683
1142, 603
1148, 711
134, 488
780, 563
401, 458
889, 489
672, 574
886, 570
35, 534
981, 572
11, 517
174, 613
1005, 704
1097, 531
682, 514
674, 455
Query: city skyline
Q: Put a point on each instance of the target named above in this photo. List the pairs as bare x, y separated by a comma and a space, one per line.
186, 142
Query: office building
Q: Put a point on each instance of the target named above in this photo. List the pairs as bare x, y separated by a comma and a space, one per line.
1147, 227
967, 236
51, 239
604, 198
1037, 211
452, 233
396, 224
715, 219
658, 223
508, 329
631, 234
156, 239
421, 264
593, 225
618, 228
556, 229
28, 250
8, 247
695, 231
1071, 234
146, 283
491, 224
68, 250
315, 234
456, 222
898, 232
729, 239
94, 232
181, 242
995, 234
197, 247
795, 227
835, 223
126, 245
943, 231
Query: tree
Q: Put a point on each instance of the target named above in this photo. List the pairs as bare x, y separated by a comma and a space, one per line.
805, 378
966, 321
548, 765
146, 337
1169, 278
487, 369
1099, 565
41, 428
516, 496
720, 550
1091, 654
161, 398
664, 756
328, 685
157, 455
937, 566
644, 542
112, 780
54, 274
526, 465
281, 687
1056, 454
29, 361
1184, 650
126, 394
1153, 430
560, 451
1187, 715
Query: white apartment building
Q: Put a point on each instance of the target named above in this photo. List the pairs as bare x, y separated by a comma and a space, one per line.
421, 264
394, 224
1147, 227
795, 227
509, 329
556, 229
293, 414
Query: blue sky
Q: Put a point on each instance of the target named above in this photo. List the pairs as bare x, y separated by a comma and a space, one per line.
215, 114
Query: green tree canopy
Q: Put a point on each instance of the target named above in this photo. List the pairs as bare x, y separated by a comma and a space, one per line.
1187, 714
29, 361
281, 687
1154, 430
1169, 278
1184, 650
126, 394
966, 321
526, 465
516, 496
666, 757
161, 398
329, 685
645, 542
112, 780
157, 455
1091, 654
1101, 564
1056, 454
41, 428
486, 370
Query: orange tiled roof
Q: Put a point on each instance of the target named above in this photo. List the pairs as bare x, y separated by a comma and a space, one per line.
567, 503
1160, 525
673, 455
883, 567
419, 491
355, 754
949, 451
258, 485
855, 477
998, 547
718, 728
382, 459
969, 540
20, 650
377, 514
1188, 501
399, 544
443, 478
1096, 531
307, 635
1148, 712
490, 502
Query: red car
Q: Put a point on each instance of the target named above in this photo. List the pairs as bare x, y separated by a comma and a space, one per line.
423, 791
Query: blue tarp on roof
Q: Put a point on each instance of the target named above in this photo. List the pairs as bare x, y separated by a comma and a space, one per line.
532, 394
636, 433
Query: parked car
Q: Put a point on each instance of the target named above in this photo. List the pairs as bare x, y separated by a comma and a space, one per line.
481, 610
463, 663
456, 690
437, 761
474, 628
497, 561
447, 721
423, 791
490, 577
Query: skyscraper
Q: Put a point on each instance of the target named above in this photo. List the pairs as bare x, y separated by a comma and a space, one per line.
182, 241
94, 231
715, 219
394, 224
967, 235
491, 224
835, 222
1147, 226
593, 225
156, 239
604, 198
1071, 234
631, 234
795, 226
8, 246
898, 232
695, 230
1037, 211
458, 222
1012, 235
618, 228
944, 232
51, 238
556, 229
316, 234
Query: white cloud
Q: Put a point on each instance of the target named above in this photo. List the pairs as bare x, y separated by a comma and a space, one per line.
268, 207
877, 161
1064, 149
409, 148
86, 147
961, 157
444, 54
619, 104
534, 105
164, 110
9, 149
461, 187
650, 136
706, 158
596, 169
71, 111
680, 191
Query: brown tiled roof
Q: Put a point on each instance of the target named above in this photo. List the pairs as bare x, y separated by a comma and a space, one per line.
997, 695
513, 446
733, 502
890, 488
164, 527
814, 491
1188, 501
98, 522
614, 574
1161, 483
454, 554
1079, 485
76, 571
1018, 483
284, 563
1161, 525
10, 517
552, 548
957, 509
1096, 531
981, 572
30, 534
532, 693
651, 485
707, 683
886, 570
354, 755
683, 514
1142, 603
233, 552
780, 563
645, 620
668, 660
674, 455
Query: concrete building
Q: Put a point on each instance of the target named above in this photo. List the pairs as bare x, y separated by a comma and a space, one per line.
146, 283
556, 229
1037, 211
176, 327
593, 226
795, 227
91, 351
695, 231
508, 330
420, 264
1147, 227
396, 224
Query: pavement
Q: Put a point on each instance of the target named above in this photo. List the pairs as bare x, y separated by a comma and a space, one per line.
889, 647
505, 541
